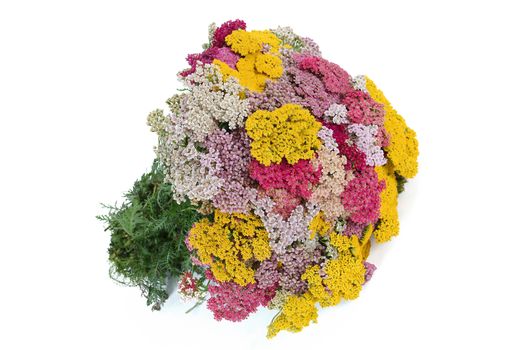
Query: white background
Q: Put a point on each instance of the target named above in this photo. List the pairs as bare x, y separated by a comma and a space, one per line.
77, 79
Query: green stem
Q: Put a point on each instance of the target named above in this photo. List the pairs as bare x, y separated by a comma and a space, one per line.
195, 306
274, 317
201, 300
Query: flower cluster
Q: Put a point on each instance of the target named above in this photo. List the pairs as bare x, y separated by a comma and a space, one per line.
295, 167
297, 179
259, 59
288, 132
188, 287
233, 302
230, 244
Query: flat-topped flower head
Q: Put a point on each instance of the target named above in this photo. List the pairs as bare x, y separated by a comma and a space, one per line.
289, 132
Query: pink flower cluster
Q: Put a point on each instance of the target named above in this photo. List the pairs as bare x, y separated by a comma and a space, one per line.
217, 50
335, 79
361, 197
233, 302
370, 269
229, 153
356, 159
362, 109
189, 287
287, 275
297, 179
224, 30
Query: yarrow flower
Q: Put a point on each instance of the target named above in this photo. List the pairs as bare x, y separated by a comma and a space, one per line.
259, 58
334, 178
229, 151
336, 114
294, 168
296, 313
188, 288
212, 99
228, 245
220, 34
359, 83
297, 179
327, 137
365, 138
370, 269
361, 197
288, 132
233, 302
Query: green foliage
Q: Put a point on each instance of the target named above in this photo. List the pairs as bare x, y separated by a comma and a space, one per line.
401, 181
147, 237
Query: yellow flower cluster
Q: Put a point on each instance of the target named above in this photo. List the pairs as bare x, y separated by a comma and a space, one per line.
297, 313
344, 278
289, 131
403, 148
245, 43
227, 243
255, 66
341, 242
388, 225
319, 225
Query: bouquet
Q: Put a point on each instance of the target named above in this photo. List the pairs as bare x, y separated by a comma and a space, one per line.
275, 171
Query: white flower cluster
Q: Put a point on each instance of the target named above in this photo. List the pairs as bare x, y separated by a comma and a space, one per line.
287, 36
327, 136
211, 31
196, 114
158, 122
359, 83
336, 114
365, 138
283, 232
280, 298
177, 133
209, 102
189, 173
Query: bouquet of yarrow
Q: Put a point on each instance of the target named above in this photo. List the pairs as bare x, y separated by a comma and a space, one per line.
274, 172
